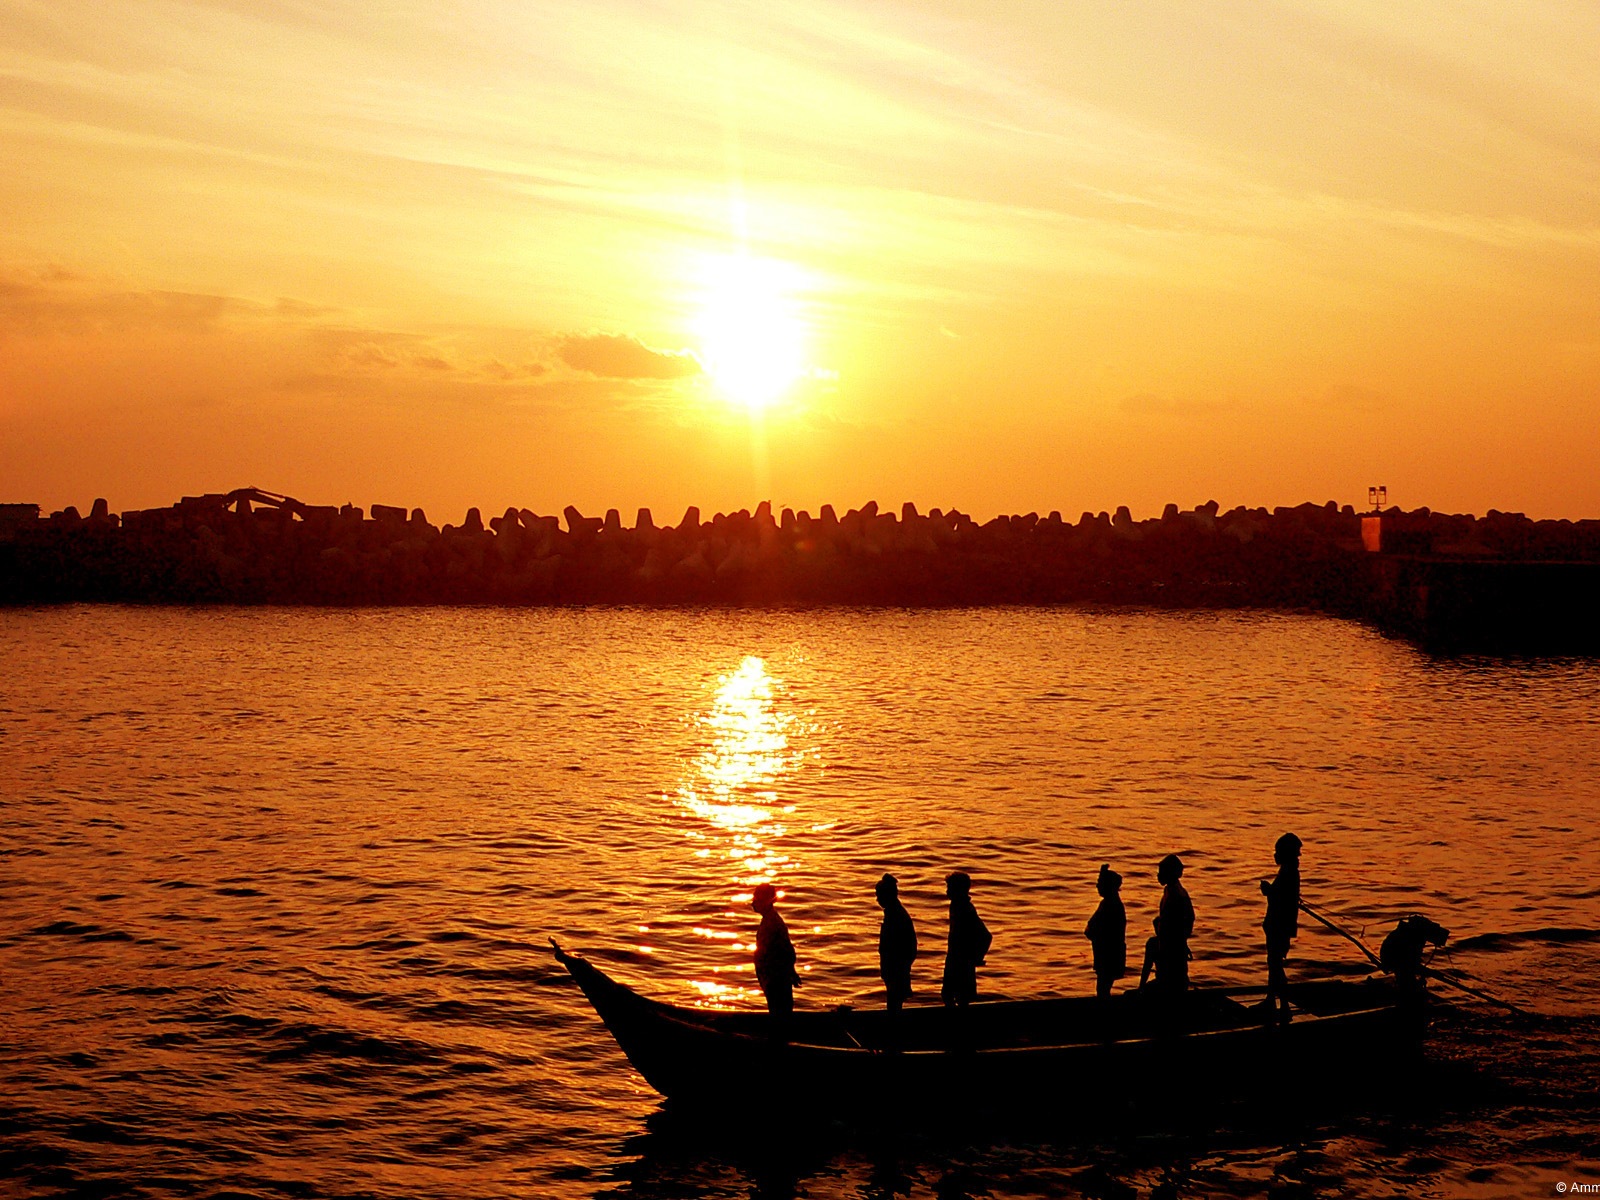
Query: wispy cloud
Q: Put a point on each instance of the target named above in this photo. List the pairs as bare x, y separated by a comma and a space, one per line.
622, 356
54, 303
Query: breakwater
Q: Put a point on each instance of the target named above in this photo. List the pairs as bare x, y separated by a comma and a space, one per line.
253, 547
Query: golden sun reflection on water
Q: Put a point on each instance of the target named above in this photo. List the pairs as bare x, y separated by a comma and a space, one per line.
734, 794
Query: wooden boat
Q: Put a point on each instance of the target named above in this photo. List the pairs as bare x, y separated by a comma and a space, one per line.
1006, 1053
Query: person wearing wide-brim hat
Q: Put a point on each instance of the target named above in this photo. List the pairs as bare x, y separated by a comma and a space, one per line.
1282, 921
897, 944
1107, 932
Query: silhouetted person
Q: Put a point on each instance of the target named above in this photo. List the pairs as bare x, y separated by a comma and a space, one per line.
1177, 927
1107, 932
897, 943
775, 956
968, 945
1152, 952
1401, 952
1282, 921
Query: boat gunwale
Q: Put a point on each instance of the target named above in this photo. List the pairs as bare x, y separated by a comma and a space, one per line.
1303, 1022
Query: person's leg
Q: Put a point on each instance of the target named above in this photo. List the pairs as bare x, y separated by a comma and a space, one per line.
780, 1003
1277, 978
896, 988
1172, 972
963, 988
960, 985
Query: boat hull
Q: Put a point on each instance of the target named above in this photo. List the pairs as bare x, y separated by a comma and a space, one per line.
1005, 1054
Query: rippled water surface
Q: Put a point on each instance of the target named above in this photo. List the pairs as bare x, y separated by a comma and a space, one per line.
275, 885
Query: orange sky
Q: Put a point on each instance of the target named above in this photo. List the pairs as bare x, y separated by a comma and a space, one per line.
1003, 257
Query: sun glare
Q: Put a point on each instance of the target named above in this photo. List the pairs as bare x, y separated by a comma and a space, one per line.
752, 334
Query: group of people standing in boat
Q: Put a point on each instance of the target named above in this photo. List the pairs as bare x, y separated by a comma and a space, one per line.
1166, 952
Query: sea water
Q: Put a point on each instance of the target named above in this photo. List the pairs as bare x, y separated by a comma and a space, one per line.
276, 884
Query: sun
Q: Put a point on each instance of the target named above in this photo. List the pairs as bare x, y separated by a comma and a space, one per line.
751, 329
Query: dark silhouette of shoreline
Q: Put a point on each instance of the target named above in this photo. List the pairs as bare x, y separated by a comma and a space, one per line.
1500, 581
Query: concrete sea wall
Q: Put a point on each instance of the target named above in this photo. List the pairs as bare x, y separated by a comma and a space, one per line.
251, 547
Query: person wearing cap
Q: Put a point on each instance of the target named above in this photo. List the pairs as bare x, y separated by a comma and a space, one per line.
1282, 921
1177, 927
1107, 932
775, 957
968, 946
897, 943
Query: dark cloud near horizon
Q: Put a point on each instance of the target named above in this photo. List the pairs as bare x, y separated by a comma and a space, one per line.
623, 356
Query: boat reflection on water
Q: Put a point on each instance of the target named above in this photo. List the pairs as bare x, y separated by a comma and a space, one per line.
679, 1154
733, 797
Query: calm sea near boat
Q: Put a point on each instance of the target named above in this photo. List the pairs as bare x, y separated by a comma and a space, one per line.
275, 885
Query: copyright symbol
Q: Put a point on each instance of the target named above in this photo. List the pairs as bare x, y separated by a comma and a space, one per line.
1561, 1187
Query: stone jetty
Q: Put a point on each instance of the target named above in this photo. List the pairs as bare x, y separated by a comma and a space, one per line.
254, 547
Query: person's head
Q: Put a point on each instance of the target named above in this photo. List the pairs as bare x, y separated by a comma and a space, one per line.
1170, 870
1108, 883
957, 884
1286, 850
764, 898
888, 891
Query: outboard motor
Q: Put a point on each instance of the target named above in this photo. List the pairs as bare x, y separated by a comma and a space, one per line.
1401, 952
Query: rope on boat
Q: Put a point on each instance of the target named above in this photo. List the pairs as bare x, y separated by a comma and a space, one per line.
1344, 933
1435, 972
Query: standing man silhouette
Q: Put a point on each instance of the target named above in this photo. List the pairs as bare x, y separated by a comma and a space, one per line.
775, 957
968, 946
1177, 927
1282, 921
897, 943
